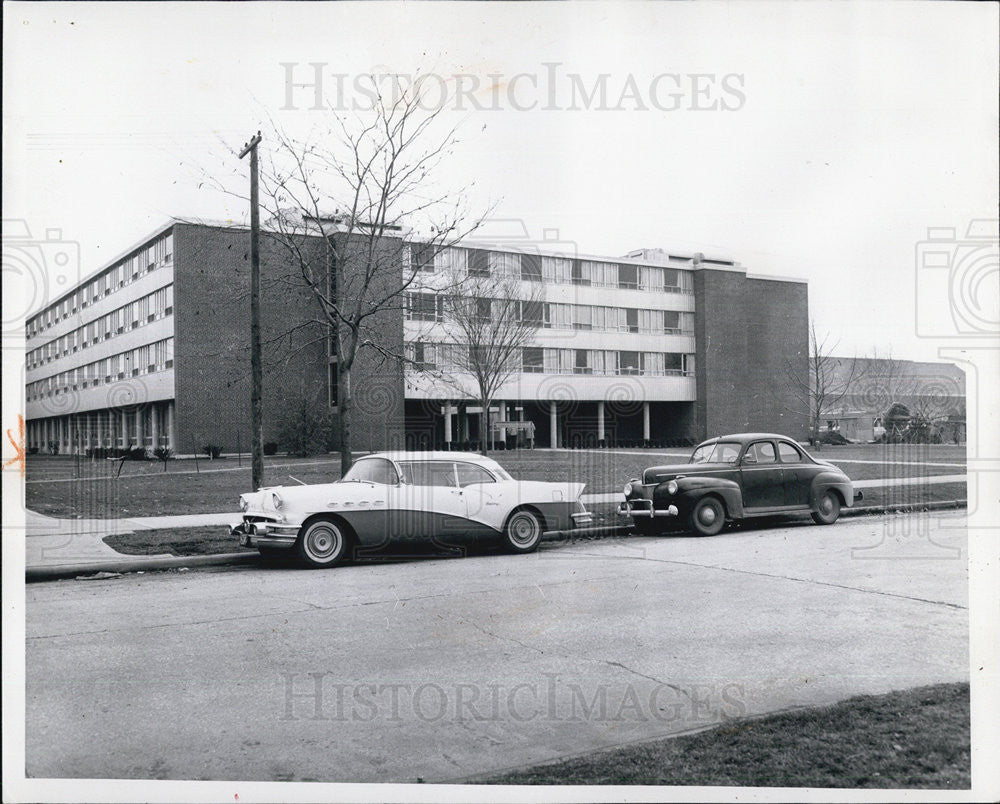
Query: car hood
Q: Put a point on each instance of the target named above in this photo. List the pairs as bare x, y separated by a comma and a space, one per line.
660, 474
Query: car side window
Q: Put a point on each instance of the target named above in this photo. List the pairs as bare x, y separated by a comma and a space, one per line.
429, 473
763, 451
374, 470
469, 473
788, 453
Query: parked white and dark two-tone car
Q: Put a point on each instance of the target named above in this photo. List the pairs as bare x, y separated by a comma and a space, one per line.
737, 477
446, 497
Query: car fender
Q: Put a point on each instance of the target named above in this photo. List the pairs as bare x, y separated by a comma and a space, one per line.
692, 489
825, 481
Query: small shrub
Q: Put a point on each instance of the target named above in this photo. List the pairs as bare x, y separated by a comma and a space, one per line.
34, 450
137, 454
163, 454
270, 447
306, 431
53, 447
213, 451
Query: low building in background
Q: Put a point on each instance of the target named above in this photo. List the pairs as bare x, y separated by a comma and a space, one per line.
152, 350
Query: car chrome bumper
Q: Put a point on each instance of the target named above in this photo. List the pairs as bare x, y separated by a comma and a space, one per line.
644, 508
264, 534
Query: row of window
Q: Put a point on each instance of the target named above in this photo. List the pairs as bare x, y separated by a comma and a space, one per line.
556, 315
122, 274
133, 315
423, 258
145, 359
541, 360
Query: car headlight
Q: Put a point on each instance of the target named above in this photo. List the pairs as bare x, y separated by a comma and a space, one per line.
276, 501
672, 487
628, 488
244, 505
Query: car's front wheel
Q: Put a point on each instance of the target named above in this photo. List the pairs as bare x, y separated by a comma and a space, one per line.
707, 516
523, 531
322, 543
827, 509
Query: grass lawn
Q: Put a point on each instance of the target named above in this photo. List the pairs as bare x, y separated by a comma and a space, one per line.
916, 738
63, 486
208, 540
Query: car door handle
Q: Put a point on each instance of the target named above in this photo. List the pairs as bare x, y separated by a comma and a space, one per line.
457, 492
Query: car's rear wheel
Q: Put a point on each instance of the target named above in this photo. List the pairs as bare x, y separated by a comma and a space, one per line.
523, 531
707, 516
322, 543
827, 509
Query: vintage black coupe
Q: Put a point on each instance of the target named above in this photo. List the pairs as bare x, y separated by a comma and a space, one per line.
735, 477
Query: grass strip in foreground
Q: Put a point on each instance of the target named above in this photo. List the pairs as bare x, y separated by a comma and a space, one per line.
916, 738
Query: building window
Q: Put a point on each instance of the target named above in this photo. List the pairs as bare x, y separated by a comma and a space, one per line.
580, 274
425, 307
421, 258
532, 360
582, 362
533, 312
479, 262
630, 363
628, 276
531, 267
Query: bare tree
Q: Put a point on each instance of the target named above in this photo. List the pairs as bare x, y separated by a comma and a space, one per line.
829, 380
339, 204
493, 317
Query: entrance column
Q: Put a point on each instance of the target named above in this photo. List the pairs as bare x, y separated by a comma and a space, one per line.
600, 423
124, 427
553, 426
645, 421
447, 426
138, 429
171, 438
154, 425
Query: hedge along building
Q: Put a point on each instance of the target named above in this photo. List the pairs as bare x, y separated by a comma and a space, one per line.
153, 349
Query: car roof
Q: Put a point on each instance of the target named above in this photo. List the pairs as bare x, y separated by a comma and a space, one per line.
399, 455
744, 438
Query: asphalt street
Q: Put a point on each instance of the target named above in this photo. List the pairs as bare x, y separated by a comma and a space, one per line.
449, 668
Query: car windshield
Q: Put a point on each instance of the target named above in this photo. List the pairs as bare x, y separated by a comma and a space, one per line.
717, 452
372, 470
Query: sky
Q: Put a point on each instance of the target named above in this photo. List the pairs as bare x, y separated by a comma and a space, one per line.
814, 140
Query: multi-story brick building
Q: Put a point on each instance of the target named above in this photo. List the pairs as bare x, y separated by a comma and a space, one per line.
152, 350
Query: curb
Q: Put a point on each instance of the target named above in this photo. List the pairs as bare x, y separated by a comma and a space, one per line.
136, 564
904, 508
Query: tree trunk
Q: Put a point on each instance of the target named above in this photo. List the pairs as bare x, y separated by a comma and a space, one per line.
344, 402
484, 423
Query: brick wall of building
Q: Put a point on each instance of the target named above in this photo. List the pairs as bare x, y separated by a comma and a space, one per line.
212, 339
378, 413
777, 315
752, 341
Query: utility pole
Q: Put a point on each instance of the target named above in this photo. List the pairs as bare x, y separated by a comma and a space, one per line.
256, 371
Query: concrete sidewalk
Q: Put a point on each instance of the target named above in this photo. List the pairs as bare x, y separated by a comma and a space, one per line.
60, 548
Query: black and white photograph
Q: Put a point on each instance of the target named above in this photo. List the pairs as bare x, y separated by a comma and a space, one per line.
493, 401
